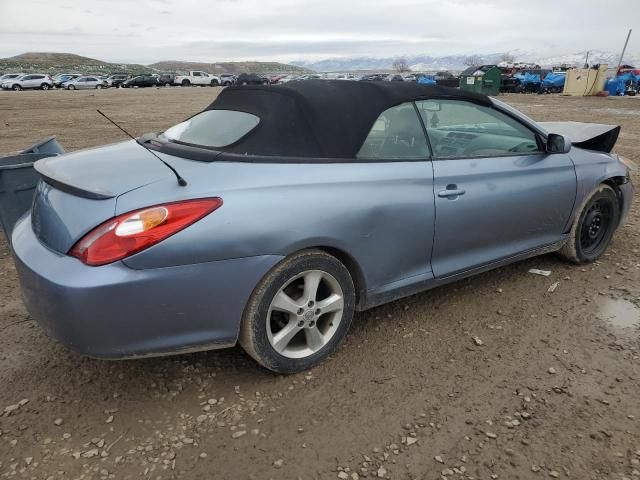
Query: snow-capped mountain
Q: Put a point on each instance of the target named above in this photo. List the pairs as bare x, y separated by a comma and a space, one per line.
423, 63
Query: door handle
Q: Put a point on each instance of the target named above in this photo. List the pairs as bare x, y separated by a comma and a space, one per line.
451, 191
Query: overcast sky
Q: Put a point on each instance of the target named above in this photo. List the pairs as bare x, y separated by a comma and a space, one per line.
145, 31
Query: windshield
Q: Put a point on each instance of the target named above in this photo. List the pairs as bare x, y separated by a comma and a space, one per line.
213, 128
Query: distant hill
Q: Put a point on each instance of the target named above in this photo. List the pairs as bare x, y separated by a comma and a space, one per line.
48, 62
228, 67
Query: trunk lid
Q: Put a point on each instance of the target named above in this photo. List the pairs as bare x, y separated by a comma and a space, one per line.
79, 190
104, 172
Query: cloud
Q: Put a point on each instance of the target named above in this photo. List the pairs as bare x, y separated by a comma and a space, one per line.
150, 30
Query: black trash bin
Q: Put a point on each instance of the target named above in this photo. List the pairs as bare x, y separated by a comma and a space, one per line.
18, 180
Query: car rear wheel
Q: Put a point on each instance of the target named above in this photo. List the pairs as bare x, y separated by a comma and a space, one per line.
299, 312
44, 86
186, 83
594, 227
214, 83
98, 87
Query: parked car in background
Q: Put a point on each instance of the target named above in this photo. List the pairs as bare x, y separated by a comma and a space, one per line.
394, 77
117, 79
59, 80
57, 77
84, 83
166, 79
251, 79
374, 77
9, 76
140, 81
287, 79
227, 79
274, 79
197, 77
29, 81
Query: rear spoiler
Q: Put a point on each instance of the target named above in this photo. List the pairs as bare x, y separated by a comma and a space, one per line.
66, 185
590, 136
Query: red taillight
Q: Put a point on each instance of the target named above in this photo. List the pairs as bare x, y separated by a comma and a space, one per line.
132, 232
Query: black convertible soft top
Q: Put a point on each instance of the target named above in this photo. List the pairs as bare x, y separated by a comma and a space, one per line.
320, 118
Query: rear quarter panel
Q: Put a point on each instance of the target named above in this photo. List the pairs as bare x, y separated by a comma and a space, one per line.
380, 214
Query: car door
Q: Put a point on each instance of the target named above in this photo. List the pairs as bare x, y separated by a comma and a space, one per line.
28, 81
497, 192
394, 159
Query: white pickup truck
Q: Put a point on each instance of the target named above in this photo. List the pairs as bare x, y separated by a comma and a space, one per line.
196, 77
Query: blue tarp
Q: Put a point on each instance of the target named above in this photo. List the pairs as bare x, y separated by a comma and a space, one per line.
426, 80
615, 86
627, 77
554, 80
532, 78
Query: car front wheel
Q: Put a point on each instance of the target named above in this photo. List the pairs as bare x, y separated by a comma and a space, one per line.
594, 227
17, 88
299, 312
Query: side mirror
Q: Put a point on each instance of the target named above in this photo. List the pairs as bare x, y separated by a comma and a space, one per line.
558, 143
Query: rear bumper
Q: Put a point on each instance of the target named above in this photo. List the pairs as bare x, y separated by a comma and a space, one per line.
115, 312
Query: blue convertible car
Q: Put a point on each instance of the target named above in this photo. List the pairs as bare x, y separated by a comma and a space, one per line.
274, 214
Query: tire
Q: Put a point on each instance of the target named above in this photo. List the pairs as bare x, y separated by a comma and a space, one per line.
16, 88
226, 84
186, 83
71, 87
300, 323
214, 83
593, 228
98, 87
45, 86
167, 84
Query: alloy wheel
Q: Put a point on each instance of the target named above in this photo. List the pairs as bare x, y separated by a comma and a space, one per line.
305, 314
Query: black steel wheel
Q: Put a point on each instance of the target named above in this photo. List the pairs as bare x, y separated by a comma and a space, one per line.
594, 226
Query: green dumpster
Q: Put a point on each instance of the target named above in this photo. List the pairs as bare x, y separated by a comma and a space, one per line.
483, 79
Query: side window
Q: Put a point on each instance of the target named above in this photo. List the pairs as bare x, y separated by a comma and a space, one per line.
396, 135
28, 77
463, 129
197, 74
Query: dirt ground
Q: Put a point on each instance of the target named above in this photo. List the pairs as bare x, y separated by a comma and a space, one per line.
553, 391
